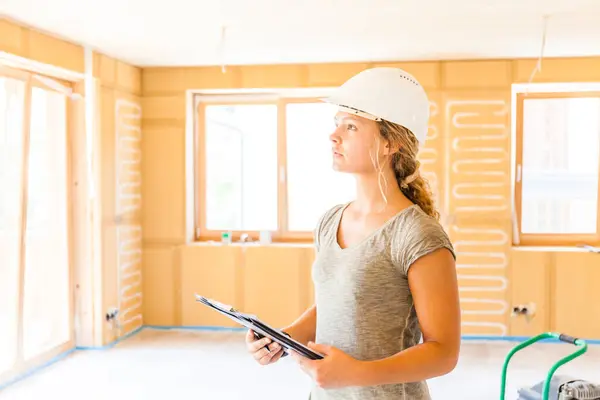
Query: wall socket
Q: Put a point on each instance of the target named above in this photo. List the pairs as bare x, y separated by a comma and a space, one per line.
111, 318
112, 314
527, 310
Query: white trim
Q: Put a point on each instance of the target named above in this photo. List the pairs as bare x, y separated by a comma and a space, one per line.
93, 142
190, 166
55, 85
558, 87
269, 94
516, 89
14, 61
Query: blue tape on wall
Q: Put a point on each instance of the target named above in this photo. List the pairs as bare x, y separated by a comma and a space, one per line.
113, 343
517, 339
197, 328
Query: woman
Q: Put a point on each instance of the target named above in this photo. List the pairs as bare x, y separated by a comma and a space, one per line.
384, 273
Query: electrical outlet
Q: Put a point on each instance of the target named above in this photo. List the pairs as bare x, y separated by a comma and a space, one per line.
528, 310
112, 314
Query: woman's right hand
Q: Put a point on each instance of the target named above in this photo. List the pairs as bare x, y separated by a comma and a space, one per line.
258, 349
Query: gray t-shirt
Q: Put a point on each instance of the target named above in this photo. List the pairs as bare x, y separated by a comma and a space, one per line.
364, 303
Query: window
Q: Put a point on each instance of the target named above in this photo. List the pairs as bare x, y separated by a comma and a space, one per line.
12, 100
46, 307
558, 153
264, 164
241, 167
36, 297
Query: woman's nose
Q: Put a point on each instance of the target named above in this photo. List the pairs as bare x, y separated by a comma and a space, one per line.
334, 136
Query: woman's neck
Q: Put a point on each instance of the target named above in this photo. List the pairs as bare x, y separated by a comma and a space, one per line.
369, 198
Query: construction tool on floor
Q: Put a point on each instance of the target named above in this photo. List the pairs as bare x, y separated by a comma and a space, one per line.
554, 387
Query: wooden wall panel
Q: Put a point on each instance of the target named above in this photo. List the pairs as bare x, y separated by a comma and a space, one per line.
120, 151
105, 69
559, 70
121, 177
482, 249
129, 78
12, 38
110, 274
576, 302
32, 44
477, 200
530, 284
163, 187
213, 271
127, 155
159, 286
478, 169
273, 76
164, 107
161, 81
477, 74
275, 286
49, 50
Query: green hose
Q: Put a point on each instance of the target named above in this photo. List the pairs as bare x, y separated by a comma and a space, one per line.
548, 335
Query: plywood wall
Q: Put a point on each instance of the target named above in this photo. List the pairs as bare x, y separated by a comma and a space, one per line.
120, 112
466, 159
36, 46
561, 284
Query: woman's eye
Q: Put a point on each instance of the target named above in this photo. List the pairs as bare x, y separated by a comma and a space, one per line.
351, 127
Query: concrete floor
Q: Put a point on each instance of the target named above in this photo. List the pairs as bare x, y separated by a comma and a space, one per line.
156, 364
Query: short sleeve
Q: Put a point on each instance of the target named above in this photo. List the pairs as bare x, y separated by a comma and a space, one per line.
322, 224
418, 236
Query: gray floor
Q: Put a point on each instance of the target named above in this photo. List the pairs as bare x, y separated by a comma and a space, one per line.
158, 364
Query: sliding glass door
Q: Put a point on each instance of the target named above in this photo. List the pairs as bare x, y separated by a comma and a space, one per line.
12, 108
36, 296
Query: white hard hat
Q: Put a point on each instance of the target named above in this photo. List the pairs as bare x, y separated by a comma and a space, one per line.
386, 93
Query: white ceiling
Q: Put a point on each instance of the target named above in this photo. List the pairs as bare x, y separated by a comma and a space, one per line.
189, 32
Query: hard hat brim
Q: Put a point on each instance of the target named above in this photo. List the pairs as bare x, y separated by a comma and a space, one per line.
350, 109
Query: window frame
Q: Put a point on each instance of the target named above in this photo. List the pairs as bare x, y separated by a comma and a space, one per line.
283, 234
72, 119
547, 239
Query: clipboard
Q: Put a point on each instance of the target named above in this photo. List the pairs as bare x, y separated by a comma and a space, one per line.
259, 327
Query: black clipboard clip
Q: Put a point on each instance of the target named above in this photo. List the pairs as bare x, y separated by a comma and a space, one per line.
259, 327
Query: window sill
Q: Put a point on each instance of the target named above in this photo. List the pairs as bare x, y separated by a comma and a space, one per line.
208, 242
553, 249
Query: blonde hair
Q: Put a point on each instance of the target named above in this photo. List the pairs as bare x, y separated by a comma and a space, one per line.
406, 166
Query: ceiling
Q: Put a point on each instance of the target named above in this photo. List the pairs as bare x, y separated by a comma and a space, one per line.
191, 32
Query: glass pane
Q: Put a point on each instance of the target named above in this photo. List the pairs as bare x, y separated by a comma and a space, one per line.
560, 165
47, 278
241, 167
12, 101
313, 185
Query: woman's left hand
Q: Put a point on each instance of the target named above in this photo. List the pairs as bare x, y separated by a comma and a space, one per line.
337, 369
